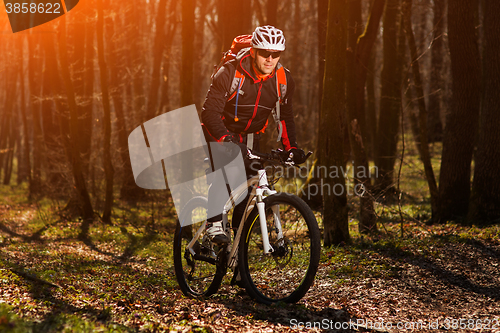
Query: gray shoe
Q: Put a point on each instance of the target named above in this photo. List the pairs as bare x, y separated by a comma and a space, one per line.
216, 233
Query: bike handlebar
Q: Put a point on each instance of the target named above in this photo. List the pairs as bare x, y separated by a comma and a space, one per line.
276, 156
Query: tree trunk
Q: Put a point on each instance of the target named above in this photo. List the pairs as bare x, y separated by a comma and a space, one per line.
6, 137
435, 126
80, 24
129, 191
485, 198
390, 100
272, 12
159, 44
462, 120
9, 158
200, 44
354, 31
4, 132
231, 23
73, 151
34, 65
295, 59
371, 105
187, 72
19, 155
136, 44
322, 23
103, 70
330, 140
187, 69
165, 97
26, 129
52, 129
362, 53
313, 179
424, 147
86, 107
355, 106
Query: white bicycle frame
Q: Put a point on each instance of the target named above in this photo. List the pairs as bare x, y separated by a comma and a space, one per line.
260, 190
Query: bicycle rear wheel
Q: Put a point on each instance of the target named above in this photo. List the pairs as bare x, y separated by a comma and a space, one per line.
198, 274
286, 274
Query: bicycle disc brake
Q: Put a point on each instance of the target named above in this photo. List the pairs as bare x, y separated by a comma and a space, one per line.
283, 252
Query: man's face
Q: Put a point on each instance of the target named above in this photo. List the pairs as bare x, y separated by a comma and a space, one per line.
265, 60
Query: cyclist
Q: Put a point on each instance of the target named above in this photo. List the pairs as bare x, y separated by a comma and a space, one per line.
242, 117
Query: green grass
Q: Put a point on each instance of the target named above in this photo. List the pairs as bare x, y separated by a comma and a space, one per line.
126, 265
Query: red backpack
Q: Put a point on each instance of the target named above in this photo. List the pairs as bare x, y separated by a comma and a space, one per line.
239, 43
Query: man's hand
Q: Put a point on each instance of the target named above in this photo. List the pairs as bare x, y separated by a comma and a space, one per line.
234, 138
297, 155
294, 154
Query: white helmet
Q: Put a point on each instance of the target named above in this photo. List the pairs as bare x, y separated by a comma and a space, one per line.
268, 38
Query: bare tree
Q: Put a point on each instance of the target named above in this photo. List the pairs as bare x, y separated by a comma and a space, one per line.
355, 104
462, 120
435, 128
103, 70
158, 48
322, 24
135, 13
26, 128
272, 12
232, 21
390, 99
129, 191
330, 140
72, 149
34, 64
424, 147
54, 119
8, 118
485, 198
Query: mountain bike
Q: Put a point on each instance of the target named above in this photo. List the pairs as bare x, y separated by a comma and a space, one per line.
275, 250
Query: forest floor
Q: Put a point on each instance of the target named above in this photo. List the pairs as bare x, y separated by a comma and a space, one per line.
433, 278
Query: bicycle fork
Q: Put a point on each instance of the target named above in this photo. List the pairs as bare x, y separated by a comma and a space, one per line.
263, 189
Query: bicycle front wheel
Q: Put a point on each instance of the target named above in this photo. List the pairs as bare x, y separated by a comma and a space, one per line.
198, 273
287, 273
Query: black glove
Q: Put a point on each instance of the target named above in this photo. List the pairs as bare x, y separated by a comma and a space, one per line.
235, 138
298, 155
283, 155
232, 138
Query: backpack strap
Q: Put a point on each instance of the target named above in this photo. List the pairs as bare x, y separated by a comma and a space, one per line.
281, 89
250, 141
281, 82
234, 90
236, 84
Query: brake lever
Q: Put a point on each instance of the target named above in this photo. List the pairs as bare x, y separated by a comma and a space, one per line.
251, 156
296, 165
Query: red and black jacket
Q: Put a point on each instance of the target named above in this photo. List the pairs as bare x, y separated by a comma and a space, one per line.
256, 100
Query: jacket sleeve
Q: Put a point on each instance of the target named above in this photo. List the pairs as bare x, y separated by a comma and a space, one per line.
288, 137
213, 107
